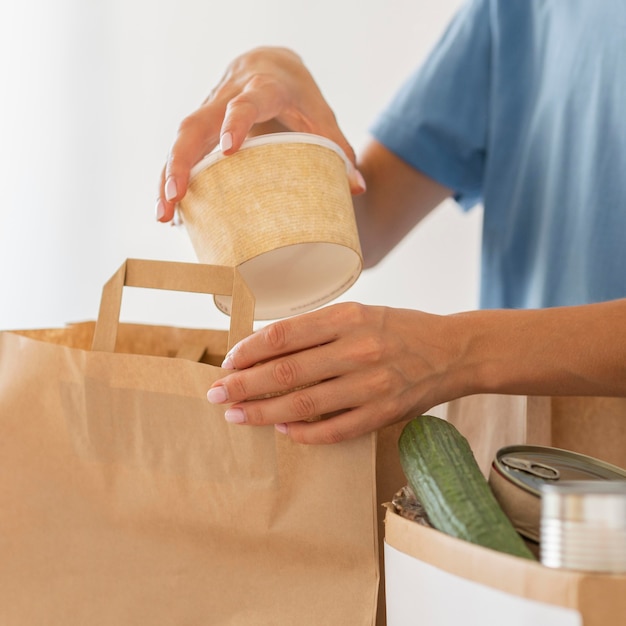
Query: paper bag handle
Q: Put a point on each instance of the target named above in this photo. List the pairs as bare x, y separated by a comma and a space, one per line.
173, 276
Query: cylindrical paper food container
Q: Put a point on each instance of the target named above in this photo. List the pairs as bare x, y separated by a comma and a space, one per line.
280, 210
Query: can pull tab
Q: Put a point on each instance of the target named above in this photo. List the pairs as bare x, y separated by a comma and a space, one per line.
540, 470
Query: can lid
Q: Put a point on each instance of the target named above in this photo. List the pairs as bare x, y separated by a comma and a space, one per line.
587, 502
532, 467
519, 473
588, 488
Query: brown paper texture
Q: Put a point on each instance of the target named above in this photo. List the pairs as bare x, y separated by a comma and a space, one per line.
588, 425
280, 210
601, 599
389, 475
593, 426
126, 498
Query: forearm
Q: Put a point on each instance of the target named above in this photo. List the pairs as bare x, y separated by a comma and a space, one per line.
397, 198
577, 350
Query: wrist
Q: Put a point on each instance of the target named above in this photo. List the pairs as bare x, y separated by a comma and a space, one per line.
574, 350
476, 355
528, 352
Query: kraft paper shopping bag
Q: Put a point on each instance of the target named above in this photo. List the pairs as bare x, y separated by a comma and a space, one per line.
591, 425
426, 569
126, 498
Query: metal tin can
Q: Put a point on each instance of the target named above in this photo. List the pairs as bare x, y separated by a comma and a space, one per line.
519, 472
583, 526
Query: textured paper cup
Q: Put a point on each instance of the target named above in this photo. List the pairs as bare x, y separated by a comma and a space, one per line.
280, 210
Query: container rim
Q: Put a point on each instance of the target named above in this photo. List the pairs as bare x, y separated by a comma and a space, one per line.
586, 487
273, 138
567, 455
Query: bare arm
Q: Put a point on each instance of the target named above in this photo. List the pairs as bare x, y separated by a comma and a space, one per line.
573, 350
397, 198
373, 366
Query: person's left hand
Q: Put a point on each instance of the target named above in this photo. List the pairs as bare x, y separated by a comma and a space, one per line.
360, 367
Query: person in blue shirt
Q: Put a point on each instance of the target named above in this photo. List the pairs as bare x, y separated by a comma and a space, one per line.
520, 107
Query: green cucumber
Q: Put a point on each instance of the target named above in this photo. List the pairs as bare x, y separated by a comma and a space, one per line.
442, 471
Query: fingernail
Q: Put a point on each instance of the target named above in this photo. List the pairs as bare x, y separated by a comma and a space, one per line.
235, 416
170, 188
360, 180
159, 209
227, 363
217, 395
177, 220
283, 429
226, 142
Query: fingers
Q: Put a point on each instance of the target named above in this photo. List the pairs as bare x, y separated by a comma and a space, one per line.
290, 335
357, 182
222, 119
264, 86
306, 337
260, 101
342, 427
348, 372
348, 407
300, 402
295, 372
197, 135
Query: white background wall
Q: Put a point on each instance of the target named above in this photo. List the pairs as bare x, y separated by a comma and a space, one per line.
91, 96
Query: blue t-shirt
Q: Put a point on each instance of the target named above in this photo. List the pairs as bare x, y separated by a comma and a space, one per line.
522, 106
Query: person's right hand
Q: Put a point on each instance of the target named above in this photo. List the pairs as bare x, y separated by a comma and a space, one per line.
264, 90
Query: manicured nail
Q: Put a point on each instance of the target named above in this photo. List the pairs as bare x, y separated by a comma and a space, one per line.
360, 180
235, 416
357, 182
283, 429
217, 395
177, 220
226, 142
170, 188
227, 363
159, 209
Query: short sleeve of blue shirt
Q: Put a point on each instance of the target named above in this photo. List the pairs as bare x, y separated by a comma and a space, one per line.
438, 120
521, 106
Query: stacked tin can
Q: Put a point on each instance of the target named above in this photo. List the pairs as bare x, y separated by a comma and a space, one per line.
570, 508
583, 526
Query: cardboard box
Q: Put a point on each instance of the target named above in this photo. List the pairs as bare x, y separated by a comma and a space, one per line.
436, 580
